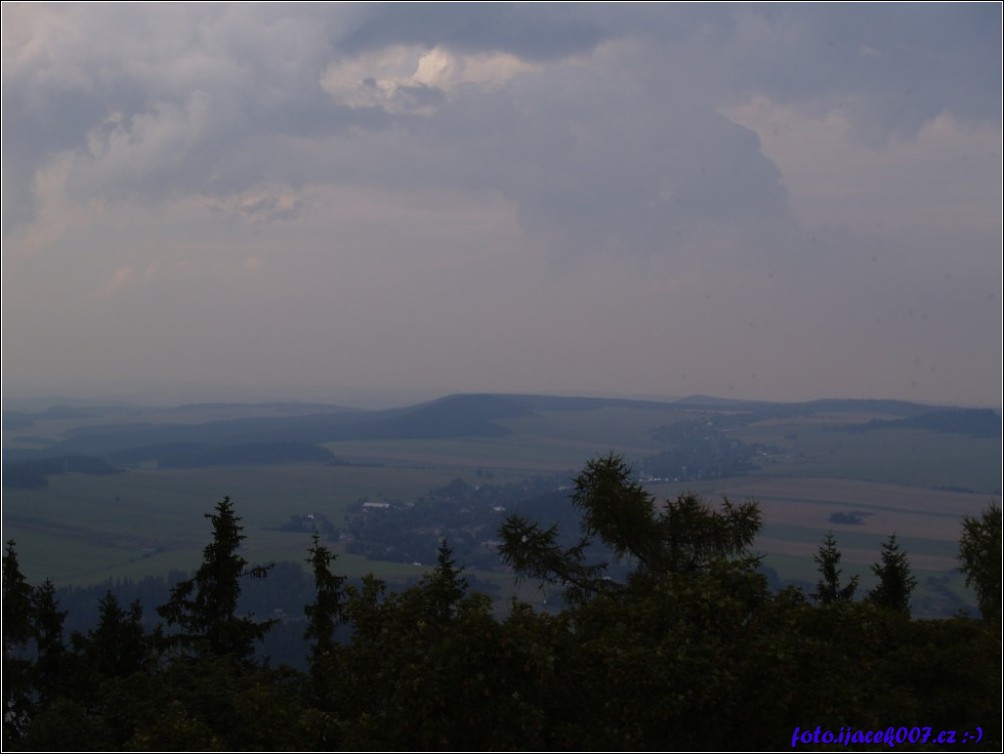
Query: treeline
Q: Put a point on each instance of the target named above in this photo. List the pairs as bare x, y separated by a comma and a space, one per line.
33, 475
688, 651
194, 455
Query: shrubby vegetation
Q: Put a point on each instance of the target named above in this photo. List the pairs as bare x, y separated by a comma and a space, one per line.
682, 647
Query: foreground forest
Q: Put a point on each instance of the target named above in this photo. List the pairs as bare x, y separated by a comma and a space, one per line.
681, 647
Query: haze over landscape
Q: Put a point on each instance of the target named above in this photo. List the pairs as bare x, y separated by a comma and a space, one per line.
292, 201
408, 377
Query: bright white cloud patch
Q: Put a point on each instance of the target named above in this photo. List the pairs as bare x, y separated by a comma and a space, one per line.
768, 201
414, 80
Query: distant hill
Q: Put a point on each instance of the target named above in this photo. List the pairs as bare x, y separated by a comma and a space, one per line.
300, 428
453, 416
977, 423
766, 409
715, 402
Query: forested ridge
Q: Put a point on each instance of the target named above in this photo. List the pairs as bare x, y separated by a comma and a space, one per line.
682, 647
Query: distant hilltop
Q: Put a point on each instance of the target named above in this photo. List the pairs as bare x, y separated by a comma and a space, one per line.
286, 425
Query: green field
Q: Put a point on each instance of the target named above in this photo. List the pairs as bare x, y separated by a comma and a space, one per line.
84, 529
893, 455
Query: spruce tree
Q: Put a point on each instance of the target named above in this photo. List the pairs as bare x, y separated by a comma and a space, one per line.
117, 647
51, 664
16, 602
445, 587
204, 607
17, 633
896, 583
829, 589
326, 613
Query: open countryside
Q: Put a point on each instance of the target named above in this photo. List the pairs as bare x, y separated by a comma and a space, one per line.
862, 469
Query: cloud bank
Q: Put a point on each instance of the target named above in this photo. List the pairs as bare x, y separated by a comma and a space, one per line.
767, 201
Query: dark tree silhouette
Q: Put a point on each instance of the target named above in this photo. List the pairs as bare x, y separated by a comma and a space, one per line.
117, 647
829, 589
896, 583
51, 662
17, 633
204, 608
686, 537
980, 554
325, 614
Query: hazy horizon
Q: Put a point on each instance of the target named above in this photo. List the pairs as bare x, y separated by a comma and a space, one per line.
761, 202
166, 395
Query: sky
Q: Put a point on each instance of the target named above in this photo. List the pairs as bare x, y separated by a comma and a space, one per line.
777, 202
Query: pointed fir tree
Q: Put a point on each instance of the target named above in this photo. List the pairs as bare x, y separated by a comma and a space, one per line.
204, 607
51, 662
17, 634
16, 602
829, 589
445, 587
326, 613
896, 583
117, 647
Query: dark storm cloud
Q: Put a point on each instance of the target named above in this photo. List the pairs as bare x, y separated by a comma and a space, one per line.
203, 111
195, 97
537, 32
892, 66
